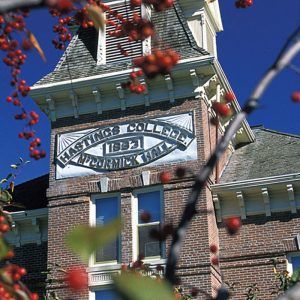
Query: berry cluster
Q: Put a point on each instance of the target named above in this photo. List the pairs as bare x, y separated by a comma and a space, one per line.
222, 108
159, 62
63, 34
136, 28
162, 233
134, 85
160, 5
15, 57
11, 288
4, 227
243, 3
214, 249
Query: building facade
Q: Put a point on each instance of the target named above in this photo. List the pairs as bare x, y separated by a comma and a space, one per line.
109, 146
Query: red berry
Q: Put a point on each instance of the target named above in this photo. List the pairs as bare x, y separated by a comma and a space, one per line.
165, 177
180, 172
194, 292
215, 260
34, 296
295, 96
233, 225
135, 2
76, 278
213, 248
145, 216
221, 109
4, 227
229, 96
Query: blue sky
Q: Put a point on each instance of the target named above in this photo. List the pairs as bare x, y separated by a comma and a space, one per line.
250, 42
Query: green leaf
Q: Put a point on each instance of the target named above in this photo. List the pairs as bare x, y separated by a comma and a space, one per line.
3, 181
5, 196
14, 166
3, 248
84, 239
133, 286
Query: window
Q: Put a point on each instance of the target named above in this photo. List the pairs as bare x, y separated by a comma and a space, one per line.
296, 262
105, 211
147, 201
106, 294
108, 52
293, 261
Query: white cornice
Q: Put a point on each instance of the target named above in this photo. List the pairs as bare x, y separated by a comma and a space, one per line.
38, 90
264, 181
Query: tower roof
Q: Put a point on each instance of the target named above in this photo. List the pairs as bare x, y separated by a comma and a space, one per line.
80, 58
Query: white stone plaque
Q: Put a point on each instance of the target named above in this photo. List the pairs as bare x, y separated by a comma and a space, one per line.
128, 145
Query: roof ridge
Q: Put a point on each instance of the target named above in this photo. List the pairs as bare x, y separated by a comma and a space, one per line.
66, 52
278, 132
186, 29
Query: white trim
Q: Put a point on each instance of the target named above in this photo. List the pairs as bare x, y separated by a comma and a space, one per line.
289, 256
205, 59
256, 182
92, 263
135, 218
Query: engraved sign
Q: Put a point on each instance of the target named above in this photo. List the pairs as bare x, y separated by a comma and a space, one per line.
127, 145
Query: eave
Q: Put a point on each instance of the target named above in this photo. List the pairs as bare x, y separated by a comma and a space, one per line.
257, 196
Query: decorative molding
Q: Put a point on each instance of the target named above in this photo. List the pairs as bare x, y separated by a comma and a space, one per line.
36, 230
146, 92
98, 100
101, 53
104, 184
74, 98
15, 230
291, 197
101, 278
196, 84
121, 95
241, 200
217, 205
170, 87
266, 199
51, 106
146, 177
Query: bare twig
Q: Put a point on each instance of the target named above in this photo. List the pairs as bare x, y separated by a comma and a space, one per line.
284, 58
7, 5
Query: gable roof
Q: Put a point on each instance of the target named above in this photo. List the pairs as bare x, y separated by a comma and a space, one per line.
31, 194
80, 58
271, 154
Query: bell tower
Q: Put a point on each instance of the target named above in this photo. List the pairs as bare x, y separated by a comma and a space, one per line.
109, 145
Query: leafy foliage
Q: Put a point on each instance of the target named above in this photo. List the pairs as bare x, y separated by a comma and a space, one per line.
84, 239
134, 286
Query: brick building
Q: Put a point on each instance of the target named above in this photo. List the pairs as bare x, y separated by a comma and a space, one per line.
108, 147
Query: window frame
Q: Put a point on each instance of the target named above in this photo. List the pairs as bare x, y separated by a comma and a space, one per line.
94, 198
289, 257
135, 223
101, 44
93, 290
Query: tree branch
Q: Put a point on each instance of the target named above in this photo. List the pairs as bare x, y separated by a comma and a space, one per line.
8, 5
284, 58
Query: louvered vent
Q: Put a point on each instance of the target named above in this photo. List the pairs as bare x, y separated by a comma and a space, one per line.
210, 40
134, 49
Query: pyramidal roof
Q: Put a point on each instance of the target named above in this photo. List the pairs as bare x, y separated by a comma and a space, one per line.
271, 154
80, 58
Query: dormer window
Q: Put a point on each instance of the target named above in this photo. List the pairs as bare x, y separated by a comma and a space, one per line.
109, 51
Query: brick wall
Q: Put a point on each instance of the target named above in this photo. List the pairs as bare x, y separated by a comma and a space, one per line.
33, 257
246, 256
69, 198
